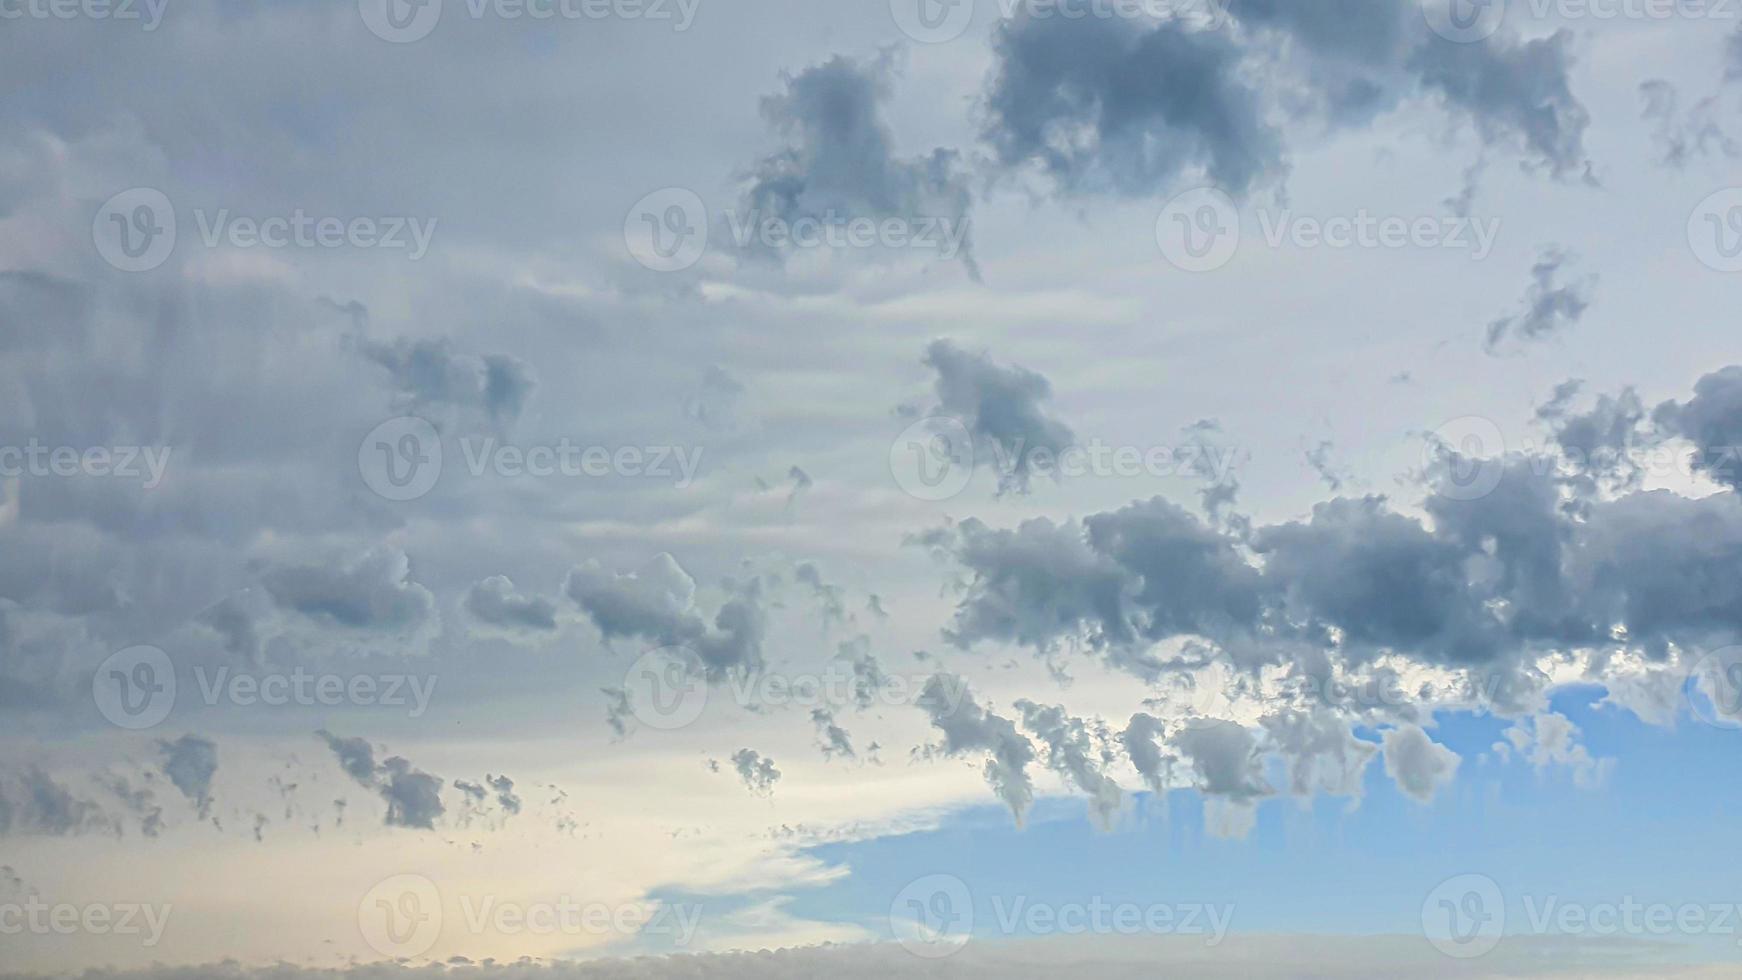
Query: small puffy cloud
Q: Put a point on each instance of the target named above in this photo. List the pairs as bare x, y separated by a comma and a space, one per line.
1712, 421
371, 593
1418, 763
413, 797
190, 762
656, 604
1072, 752
497, 609
429, 373
757, 772
1000, 405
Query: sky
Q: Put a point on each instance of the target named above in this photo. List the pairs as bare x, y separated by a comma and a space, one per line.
946, 488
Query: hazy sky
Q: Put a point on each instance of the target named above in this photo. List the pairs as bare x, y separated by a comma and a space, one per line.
1038, 486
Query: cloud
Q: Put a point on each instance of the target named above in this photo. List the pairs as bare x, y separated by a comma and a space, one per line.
190, 762
372, 593
496, 609
1072, 753
1712, 421
969, 728
32, 802
758, 773
1115, 104
840, 163
413, 796
1548, 739
1549, 308
1418, 764
356, 756
429, 374
1001, 406
1515, 91
832, 738
656, 604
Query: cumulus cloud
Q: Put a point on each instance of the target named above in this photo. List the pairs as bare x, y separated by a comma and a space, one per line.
1418, 763
430, 374
1117, 104
33, 802
1712, 421
370, 593
1002, 408
1072, 752
190, 762
497, 609
969, 728
841, 163
1550, 739
757, 772
834, 740
413, 796
1550, 307
656, 604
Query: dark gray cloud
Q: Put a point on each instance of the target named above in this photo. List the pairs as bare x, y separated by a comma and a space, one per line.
1516, 92
190, 762
32, 802
1116, 104
1712, 421
834, 740
430, 374
356, 756
841, 161
757, 772
505, 795
1549, 306
1002, 408
373, 592
414, 797
656, 604
495, 606
968, 727
1143, 739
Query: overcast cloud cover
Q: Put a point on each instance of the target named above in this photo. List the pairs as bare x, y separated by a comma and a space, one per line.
931, 487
